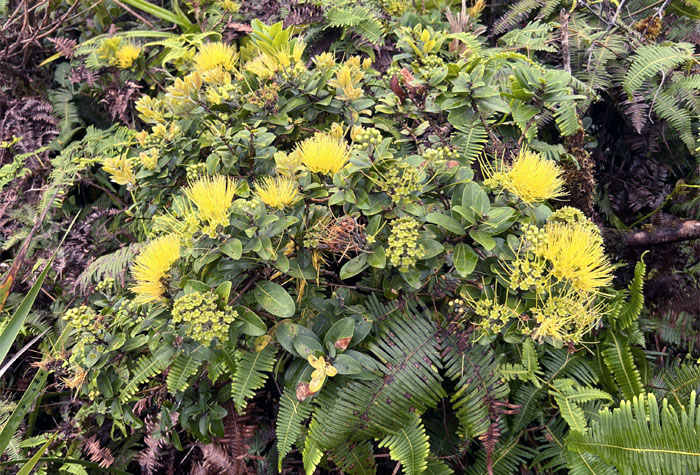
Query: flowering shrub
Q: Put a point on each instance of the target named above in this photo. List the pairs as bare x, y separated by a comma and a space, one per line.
389, 254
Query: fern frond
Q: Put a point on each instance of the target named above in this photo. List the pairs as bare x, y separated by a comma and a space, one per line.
569, 396
528, 370
618, 358
651, 59
641, 437
409, 446
475, 369
630, 311
409, 381
581, 463
437, 467
289, 418
146, 368
515, 14
681, 382
472, 140
184, 366
114, 265
250, 375
355, 459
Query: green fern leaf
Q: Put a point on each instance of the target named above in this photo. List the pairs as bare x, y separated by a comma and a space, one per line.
289, 418
355, 459
528, 370
437, 467
568, 395
651, 59
629, 313
250, 374
146, 368
475, 370
409, 446
640, 437
618, 358
312, 454
580, 463
184, 366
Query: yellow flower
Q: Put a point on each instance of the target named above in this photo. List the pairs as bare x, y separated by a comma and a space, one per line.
151, 267
576, 254
278, 192
213, 55
323, 153
126, 54
322, 370
564, 318
212, 196
531, 177
120, 170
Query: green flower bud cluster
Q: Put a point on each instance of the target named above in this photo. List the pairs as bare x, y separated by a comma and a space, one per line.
89, 325
295, 72
394, 7
313, 235
105, 285
203, 321
246, 206
370, 136
457, 306
395, 70
495, 315
404, 250
195, 171
440, 153
266, 97
526, 274
534, 237
428, 65
400, 182
216, 94
571, 215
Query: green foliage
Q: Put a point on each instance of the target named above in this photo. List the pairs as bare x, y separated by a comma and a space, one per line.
251, 372
409, 446
640, 435
376, 236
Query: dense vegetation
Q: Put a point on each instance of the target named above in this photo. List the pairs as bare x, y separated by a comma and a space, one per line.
349, 236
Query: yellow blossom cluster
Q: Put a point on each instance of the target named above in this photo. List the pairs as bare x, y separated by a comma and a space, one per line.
530, 177
564, 263
323, 153
277, 192
151, 268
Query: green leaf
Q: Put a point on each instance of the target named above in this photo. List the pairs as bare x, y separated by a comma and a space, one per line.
409, 446
464, 259
483, 238
32, 462
183, 368
274, 299
475, 198
289, 422
251, 373
354, 266
446, 222
343, 328
233, 249
649, 60
618, 358
25, 403
346, 365
641, 437
306, 345
249, 323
